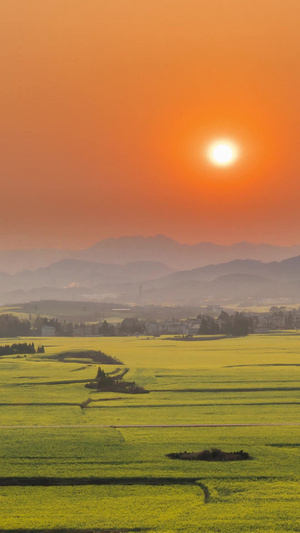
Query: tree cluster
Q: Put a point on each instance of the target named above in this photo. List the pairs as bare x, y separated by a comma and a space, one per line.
215, 454
21, 348
114, 383
236, 325
106, 329
41, 321
128, 326
12, 326
131, 326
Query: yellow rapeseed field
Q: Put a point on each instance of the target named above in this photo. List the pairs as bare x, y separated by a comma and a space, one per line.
64, 467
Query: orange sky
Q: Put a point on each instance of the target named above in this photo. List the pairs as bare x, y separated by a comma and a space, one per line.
107, 107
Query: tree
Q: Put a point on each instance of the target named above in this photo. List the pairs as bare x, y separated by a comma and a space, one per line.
131, 326
106, 329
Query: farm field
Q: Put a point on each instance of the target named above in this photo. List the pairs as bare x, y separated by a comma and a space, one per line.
85, 478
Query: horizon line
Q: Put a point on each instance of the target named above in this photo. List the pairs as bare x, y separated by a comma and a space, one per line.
145, 237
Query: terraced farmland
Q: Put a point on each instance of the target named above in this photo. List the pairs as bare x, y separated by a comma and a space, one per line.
71, 465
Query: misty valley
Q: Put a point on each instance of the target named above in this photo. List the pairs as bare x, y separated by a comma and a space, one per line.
154, 390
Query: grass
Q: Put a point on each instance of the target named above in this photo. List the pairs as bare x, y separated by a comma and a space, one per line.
117, 478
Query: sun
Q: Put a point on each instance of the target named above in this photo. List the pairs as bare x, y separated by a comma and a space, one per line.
222, 153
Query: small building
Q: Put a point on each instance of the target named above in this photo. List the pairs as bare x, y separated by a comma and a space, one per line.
48, 331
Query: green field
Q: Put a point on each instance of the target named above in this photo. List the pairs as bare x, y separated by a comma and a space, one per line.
62, 469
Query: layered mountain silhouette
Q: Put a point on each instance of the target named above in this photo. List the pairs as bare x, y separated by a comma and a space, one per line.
159, 249
151, 282
233, 282
72, 273
181, 256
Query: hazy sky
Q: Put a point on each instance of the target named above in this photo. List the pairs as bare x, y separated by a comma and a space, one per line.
107, 107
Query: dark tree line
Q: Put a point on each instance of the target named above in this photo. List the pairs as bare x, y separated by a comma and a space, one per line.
21, 348
128, 326
12, 326
236, 325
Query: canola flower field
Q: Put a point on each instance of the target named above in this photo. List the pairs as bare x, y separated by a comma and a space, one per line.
62, 470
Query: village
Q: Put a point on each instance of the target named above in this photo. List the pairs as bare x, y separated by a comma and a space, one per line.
207, 323
211, 321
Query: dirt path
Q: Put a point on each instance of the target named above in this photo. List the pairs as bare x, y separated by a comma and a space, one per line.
142, 426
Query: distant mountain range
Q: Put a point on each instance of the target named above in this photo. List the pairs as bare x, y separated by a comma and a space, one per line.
72, 277
151, 282
159, 249
239, 281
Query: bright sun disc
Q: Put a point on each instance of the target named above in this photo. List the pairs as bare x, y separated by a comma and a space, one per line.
222, 153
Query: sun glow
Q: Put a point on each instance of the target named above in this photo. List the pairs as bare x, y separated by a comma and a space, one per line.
222, 153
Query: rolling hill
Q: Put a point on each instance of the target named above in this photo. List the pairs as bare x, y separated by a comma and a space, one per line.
155, 283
